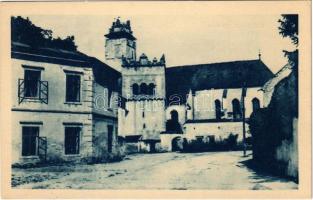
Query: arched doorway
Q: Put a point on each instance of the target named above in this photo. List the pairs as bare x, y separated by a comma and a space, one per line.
177, 144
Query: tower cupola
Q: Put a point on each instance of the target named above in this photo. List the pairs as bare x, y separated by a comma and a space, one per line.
120, 43
120, 30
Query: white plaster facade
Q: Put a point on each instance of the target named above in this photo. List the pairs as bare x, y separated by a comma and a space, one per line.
53, 116
204, 102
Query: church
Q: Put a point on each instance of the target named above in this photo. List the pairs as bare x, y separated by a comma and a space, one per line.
167, 104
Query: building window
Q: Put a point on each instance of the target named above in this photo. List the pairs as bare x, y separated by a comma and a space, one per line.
174, 115
151, 88
72, 88
110, 138
29, 140
143, 114
143, 88
32, 83
135, 88
255, 104
72, 140
118, 51
236, 109
32, 88
218, 112
144, 126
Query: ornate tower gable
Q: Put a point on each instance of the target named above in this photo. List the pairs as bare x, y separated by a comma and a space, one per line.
144, 78
144, 62
120, 43
120, 30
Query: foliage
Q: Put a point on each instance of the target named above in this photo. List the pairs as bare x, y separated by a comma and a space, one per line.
289, 28
202, 145
272, 125
24, 31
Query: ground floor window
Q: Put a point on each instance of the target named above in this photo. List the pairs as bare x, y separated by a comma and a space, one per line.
110, 138
29, 140
72, 140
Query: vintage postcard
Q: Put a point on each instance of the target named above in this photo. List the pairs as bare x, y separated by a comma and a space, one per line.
156, 99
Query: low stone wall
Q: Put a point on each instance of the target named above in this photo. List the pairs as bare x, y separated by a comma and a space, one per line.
220, 130
166, 141
288, 152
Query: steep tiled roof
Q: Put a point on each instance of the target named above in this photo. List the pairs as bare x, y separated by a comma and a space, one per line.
104, 74
180, 79
48, 55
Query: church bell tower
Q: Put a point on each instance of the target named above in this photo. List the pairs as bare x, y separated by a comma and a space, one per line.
120, 43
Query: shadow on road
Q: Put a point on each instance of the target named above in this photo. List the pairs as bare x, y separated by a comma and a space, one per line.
265, 174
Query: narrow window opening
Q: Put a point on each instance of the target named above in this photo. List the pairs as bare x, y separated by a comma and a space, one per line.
32, 83
72, 140
255, 104
29, 140
237, 114
72, 88
110, 138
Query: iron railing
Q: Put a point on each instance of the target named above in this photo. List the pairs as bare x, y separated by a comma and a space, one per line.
42, 148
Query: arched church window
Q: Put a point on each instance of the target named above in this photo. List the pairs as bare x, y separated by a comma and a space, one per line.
218, 112
151, 87
174, 115
255, 104
236, 109
143, 88
135, 89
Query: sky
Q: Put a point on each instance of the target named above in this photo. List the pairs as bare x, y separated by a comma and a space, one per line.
185, 40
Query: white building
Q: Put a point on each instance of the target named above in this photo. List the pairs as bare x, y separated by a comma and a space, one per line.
164, 103
63, 106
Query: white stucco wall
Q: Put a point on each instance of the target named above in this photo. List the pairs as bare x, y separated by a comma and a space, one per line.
220, 130
153, 74
166, 140
153, 117
58, 111
145, 116
53, 128
56, 77
269, 86
112, 53
204, 102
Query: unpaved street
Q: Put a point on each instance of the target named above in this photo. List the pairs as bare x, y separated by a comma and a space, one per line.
212, 170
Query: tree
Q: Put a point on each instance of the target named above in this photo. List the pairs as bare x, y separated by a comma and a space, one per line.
272, 126
24, 31
289, 28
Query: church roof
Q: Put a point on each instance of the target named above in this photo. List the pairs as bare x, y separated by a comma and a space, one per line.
180, 79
